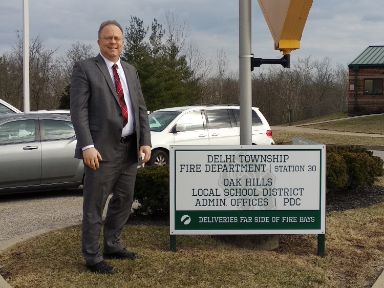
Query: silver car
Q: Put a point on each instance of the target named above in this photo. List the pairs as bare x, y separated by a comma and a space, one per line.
37, 153
6, 108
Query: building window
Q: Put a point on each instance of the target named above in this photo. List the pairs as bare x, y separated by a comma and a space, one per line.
373, 86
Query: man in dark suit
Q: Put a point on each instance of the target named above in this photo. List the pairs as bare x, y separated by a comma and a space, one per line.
111, 124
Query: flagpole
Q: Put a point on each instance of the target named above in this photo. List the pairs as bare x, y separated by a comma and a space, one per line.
26, 55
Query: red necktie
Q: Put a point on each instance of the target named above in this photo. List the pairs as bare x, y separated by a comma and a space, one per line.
120, 94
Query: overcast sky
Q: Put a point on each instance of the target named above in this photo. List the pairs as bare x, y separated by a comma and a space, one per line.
337, 29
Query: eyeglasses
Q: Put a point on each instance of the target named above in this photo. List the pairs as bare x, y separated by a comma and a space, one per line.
112, 38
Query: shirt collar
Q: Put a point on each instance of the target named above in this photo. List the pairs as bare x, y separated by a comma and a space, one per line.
110, 63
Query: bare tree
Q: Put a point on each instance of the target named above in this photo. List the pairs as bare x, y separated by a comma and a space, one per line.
175, 31
42, 75
10, 80
221, 69
78, 51
309, 89
200, 68
43, 72
341, 78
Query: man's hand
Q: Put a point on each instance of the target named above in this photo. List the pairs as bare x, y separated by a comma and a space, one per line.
146, 151
92, 158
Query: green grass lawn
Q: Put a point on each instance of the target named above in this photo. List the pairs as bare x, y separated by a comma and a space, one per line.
368, 124
354, 258
327, 117
371, 124
284, 136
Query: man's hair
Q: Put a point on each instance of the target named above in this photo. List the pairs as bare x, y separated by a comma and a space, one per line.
109, 22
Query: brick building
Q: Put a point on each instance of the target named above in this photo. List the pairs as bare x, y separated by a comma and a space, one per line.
366, 80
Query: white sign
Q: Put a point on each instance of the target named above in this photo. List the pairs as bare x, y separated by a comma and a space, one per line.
247, 189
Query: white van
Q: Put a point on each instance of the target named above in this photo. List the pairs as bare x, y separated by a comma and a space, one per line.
201, 125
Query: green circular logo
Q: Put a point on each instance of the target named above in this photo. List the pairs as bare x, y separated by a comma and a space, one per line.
185, 219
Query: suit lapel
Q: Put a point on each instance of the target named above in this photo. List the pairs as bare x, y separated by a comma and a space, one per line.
130, 82
100, 63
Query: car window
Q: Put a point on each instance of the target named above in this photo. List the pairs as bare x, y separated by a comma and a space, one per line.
255, 118
5, 110
190, 121
57, 129
19, 131
235, 117
159, 120
218, 118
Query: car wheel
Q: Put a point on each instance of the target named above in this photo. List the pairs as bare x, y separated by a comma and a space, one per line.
159, 158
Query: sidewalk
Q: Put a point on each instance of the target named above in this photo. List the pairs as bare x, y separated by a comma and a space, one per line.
323, 131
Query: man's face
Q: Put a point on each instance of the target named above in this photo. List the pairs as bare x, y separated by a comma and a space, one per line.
111, 42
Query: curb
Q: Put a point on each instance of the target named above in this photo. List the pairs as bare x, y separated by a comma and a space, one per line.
3, 283
379, 281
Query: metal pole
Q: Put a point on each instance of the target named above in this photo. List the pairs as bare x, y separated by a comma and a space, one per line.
172, 243
26, 55
245, 72
321, 245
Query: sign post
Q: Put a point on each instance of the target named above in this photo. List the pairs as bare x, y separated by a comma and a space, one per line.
246, 189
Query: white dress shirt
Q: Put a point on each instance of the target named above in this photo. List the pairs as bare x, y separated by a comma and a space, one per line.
129, 127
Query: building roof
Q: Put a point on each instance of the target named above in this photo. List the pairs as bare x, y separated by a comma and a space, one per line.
373, 56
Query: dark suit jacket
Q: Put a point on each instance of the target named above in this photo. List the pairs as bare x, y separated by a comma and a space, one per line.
95, 111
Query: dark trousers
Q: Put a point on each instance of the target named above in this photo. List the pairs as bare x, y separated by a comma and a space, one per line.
113, 177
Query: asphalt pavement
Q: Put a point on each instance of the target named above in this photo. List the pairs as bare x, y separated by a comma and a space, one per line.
27, 215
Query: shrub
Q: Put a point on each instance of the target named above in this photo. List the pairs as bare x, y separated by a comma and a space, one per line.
152, 190
378, 166
351, 167
360, 170
337, 173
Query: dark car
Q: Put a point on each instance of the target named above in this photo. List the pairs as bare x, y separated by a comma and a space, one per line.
37, 153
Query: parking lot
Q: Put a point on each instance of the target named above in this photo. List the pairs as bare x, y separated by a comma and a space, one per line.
25, 215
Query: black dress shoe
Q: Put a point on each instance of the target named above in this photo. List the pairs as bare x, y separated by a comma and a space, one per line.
123, 254
101, 268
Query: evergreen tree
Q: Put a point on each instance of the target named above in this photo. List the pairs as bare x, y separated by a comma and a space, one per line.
65, 99
165, 76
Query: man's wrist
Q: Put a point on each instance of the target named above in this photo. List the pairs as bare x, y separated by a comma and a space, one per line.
87, 147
